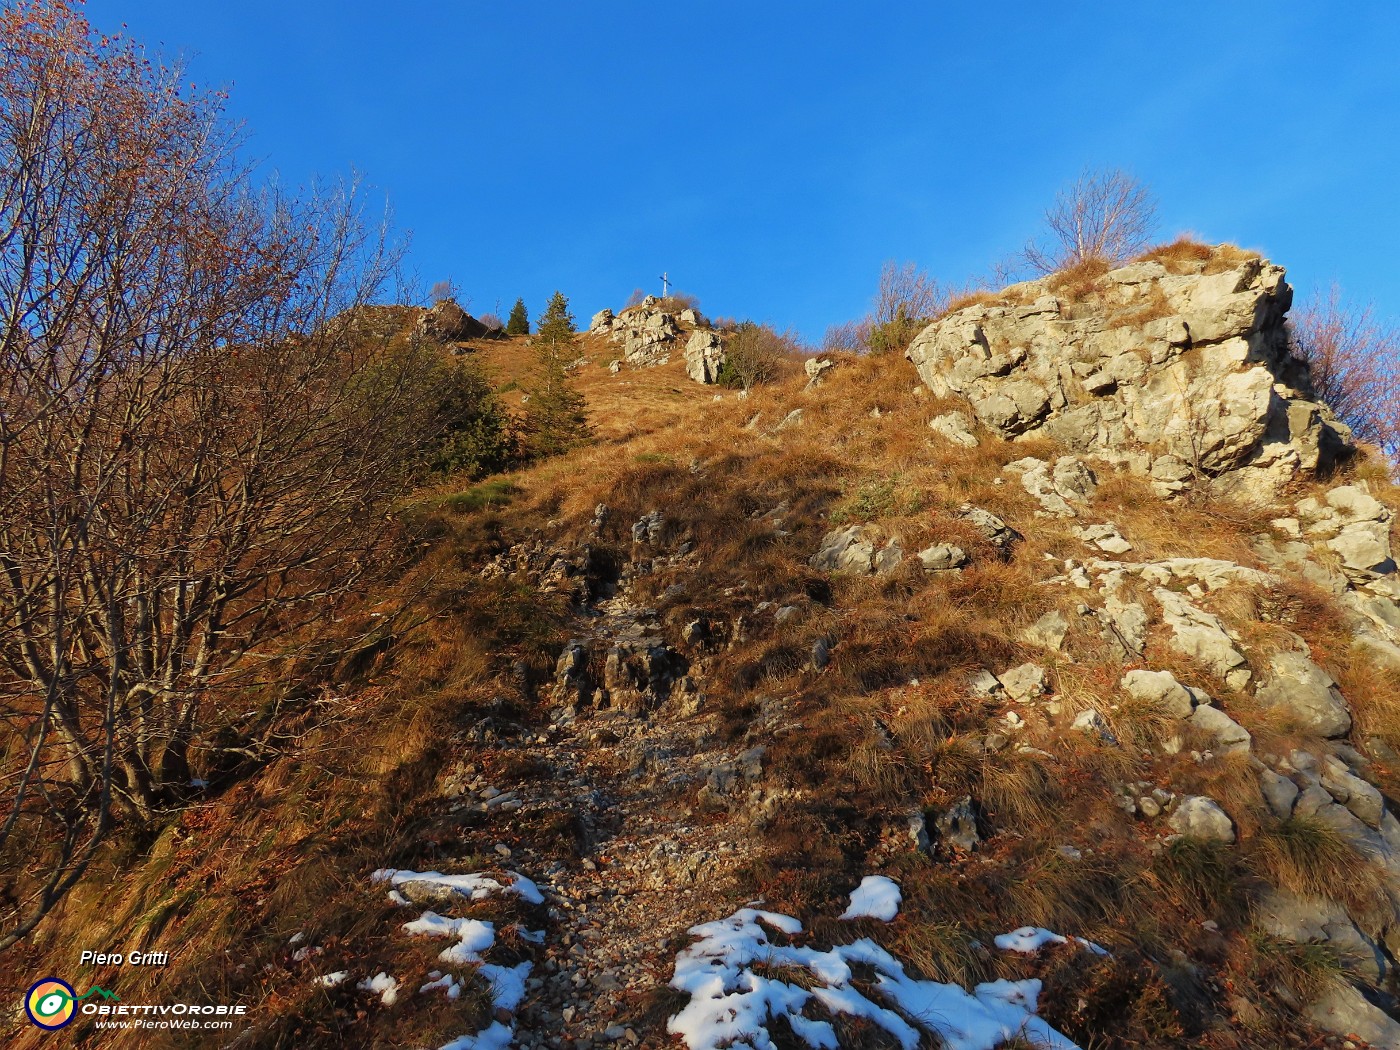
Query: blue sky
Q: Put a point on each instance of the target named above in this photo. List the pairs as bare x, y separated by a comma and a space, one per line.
771, 155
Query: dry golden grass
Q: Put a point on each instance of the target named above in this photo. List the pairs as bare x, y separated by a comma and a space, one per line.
1078, 282
1305, 856
975, 298
1157, 306
1187, 255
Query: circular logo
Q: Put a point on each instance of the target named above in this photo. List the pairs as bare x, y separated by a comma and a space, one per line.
49, 1003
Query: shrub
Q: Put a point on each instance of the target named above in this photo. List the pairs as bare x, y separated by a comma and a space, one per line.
849, 337
475, 436
754, 354
1354, 360
905, 302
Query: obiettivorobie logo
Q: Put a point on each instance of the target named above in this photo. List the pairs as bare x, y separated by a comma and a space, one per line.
52, 1003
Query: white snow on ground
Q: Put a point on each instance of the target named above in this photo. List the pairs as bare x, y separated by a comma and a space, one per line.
473, 935
473, 938
877, 897
507, 984
497, 1037
1030, 939
386, 986
331, 980
475, 885
734, 972
446, 982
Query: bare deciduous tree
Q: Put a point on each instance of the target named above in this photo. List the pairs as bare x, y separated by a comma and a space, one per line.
848, 337
1354, 360
755, 353
906, 300
196, 442
1105, 214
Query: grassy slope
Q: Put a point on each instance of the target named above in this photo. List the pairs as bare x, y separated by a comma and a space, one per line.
289, 848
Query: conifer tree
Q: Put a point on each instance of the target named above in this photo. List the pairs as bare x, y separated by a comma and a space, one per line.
519, 321
556, 411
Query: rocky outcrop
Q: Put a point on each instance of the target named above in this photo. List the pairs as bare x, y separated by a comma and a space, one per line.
1058, 486
1185, 377
955, 427
447, 322
1354, 525
1307, 694
857, 550
649, 335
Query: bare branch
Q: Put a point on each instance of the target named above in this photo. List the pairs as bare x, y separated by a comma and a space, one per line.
1105, 214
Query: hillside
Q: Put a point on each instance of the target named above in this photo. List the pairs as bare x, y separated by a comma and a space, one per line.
1039, 689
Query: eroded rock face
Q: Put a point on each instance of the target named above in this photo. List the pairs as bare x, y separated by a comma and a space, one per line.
1184, 377
704, 356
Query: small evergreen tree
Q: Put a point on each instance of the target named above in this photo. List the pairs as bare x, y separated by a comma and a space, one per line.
557, 420
519, 321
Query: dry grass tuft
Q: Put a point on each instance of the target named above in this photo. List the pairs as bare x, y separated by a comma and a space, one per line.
1187, 255
976, 298
1078, 282
1305, 856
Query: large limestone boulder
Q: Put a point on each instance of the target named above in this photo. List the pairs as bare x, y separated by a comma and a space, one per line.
1202, 636
1200, 817
1184, 376
1344, 1009
704, 356
1161, 690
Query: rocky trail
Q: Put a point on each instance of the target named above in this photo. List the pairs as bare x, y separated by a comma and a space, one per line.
620, 766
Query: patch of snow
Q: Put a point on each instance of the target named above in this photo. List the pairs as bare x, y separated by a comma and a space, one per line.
507, 984
395, 897
497, 1037
729, 975
386, 986
306, 952
877, 897
474, 885
473, 935
446, 982
473, 938
1027, 940
332, 980
297, 938
1030, 939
